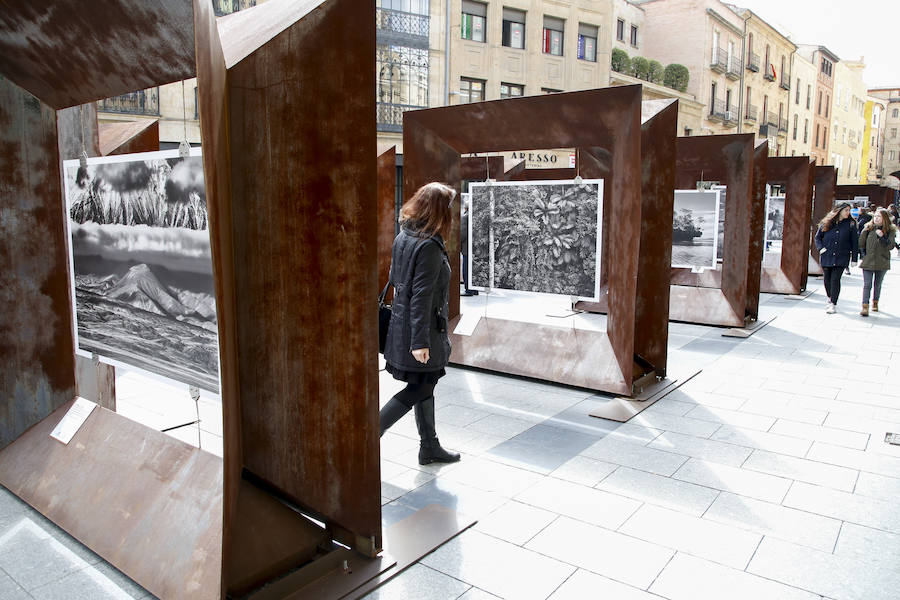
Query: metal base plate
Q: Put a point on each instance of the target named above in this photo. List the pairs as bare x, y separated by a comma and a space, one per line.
622, 409
802, 295
746, 331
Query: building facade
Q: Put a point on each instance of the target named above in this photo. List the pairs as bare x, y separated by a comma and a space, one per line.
705, 36
890, 150
801, 115
824, 61
848, 121
873, 140
766, 81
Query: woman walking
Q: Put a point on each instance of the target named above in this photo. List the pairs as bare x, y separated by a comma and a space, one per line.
418, 347
838, 244
877, 238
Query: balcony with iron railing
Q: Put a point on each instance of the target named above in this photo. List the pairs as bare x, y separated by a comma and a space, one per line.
768, 75
785, 83
720, 112
734, 68
782, 125
753, 62
852, 142
750, 114
141, 102
389, 117
719, 62
398, 28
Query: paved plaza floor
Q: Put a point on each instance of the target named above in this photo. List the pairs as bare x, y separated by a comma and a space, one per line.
766, 476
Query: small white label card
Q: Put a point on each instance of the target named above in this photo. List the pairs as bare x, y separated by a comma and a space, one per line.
74, 419
467, 323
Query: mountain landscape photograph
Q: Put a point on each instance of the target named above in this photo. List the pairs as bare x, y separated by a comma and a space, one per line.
144, 292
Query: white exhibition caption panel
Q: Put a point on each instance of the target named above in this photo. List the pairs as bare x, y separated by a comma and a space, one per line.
74, 419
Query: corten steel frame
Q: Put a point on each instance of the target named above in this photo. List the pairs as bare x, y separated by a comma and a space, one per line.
129, 137
796, 174
878, 195
291, 226
757, 228
723, 296
603, 125
387, 211
823, 201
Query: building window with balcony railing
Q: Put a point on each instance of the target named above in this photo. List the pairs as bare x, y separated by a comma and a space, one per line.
587, 42
141, 102
474, 19
511, 90
513, 28
401, 83
796, 126
402, 23
554, 28
805, 130
797, 93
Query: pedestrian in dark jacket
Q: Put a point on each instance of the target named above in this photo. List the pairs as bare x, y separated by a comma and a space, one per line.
838, 244
877, 238
417, 348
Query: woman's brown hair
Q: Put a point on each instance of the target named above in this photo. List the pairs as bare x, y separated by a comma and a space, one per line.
428, 211
831, 219
886, 226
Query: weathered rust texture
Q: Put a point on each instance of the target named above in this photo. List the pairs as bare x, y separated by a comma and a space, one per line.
95, 381
757, 228
213, 108
387, 209
129, 137
78, 131
516, 174
604, 126
66, 52
651, 326
878, 195
728, 159
160, 525
823, 201
795, 173
299, 110
37, 352
480, 168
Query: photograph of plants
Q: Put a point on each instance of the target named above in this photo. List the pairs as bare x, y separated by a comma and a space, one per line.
536, 236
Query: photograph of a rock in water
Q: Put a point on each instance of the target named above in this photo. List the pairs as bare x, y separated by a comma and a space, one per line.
536, 236
144, 293
695, 226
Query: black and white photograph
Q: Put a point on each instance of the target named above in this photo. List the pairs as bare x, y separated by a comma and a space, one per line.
695, 225
720, 236
536, 236
142, 268
774, 223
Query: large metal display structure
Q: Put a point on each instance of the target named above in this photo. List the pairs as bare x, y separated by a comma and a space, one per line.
823, 200
727, 296
796, 174
604, 126
292, 227
878, 195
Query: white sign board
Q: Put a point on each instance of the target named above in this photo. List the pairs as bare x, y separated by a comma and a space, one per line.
74, 419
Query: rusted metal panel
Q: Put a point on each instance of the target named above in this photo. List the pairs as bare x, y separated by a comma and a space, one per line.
212, 99
878, 195
161, 524
95, 381
387, 218
37, 353
603, 125
78, 131
795, 173
129, 137
823, 201
651, 330
728, 159
303, 217
757, 229
68, 53
477, 168
515, 174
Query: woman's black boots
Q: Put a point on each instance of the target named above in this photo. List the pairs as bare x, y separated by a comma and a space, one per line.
430, 450
391, 413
